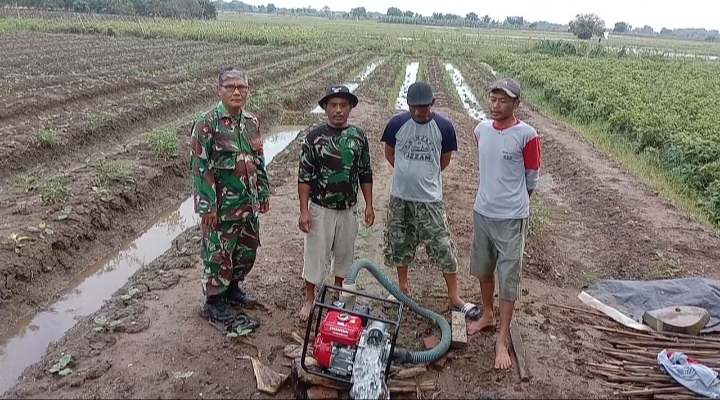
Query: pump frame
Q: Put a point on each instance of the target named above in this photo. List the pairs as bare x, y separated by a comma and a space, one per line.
320, 306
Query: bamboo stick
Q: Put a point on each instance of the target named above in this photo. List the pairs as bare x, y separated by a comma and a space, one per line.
658, 335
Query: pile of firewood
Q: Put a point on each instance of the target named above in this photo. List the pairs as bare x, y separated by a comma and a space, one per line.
401, 380
632, 368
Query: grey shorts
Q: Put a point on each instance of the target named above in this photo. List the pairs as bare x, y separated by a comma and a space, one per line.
499, 244
330, 243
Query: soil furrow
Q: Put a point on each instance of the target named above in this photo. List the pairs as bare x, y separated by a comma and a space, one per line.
375, 89
22, 152
31, 105
143, 63
434, 71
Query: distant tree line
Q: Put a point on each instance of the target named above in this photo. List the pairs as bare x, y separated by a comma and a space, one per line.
186, 9
584, 26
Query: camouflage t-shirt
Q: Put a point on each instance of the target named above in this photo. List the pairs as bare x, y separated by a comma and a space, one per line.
228, 163
334, 162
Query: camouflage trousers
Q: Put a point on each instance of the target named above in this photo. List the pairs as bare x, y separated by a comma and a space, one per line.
410, 223
229, 252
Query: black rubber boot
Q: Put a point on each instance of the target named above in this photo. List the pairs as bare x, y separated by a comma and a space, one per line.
236, 296
216, 309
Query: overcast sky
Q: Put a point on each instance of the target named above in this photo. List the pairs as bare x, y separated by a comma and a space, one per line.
679, 14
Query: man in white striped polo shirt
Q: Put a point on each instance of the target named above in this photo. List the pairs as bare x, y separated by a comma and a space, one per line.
509, 152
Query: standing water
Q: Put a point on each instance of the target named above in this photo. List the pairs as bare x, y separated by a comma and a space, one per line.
472, 106
411, 72
354, 85
26, 343
368, 382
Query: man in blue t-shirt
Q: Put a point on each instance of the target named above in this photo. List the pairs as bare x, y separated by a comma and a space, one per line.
419, 144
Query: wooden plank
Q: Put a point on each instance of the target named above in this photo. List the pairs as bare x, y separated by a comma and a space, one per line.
519, 349
459, 331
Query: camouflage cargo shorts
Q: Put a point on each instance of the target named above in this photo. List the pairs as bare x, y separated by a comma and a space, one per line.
410, 223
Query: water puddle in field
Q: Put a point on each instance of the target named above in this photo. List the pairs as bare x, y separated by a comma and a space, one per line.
411, 72
354, 85
470, 103
26, 343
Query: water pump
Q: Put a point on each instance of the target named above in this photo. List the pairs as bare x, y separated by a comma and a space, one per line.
341, 335
354, 347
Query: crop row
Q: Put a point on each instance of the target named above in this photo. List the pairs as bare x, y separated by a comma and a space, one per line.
107, 117
664, 107
103, 57
386, 39
122, 84
56, 188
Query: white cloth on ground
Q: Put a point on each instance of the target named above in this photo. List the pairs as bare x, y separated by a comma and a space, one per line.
694, 376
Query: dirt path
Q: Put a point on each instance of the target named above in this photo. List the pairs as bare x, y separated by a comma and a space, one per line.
591, 219
627, 231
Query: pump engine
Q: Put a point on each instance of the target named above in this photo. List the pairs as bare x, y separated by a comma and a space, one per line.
340, 337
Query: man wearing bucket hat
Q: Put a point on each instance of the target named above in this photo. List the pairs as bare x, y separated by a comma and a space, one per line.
419, 144
509, 154
334, 161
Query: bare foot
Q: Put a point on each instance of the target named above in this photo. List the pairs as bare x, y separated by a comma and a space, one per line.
305, 311
486, 321
502, 356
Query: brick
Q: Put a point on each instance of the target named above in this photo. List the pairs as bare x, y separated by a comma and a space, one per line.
430, 342
321, 392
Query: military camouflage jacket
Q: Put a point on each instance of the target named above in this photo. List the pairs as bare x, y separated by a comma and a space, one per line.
333, 162
228, 164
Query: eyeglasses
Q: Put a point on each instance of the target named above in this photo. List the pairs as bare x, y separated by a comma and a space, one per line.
240, 88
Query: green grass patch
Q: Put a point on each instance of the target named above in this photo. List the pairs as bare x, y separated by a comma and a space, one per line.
164, 142
55, 190
109, 172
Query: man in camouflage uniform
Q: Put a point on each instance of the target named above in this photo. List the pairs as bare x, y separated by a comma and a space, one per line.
335, 157
230, 188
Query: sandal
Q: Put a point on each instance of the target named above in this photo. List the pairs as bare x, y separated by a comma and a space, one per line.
387, 305
240, 321
470, 310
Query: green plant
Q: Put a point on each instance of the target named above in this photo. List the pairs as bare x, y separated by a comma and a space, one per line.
99, 192
62, 367
65, 213
183, 376
55, 190
104, 324
16, 240
130, 294
164, 143
47, 138
44, 229
110, 172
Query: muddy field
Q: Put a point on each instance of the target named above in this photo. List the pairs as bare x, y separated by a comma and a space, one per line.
590, 219
93, 135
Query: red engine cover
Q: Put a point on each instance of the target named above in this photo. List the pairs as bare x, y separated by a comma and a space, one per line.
336, 328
